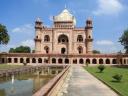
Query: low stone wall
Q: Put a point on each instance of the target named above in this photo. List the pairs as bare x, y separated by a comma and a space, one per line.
54, 85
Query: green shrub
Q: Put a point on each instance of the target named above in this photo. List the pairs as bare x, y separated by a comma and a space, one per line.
117, 77
101, 68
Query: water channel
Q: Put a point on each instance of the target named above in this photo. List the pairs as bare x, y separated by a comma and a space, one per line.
26, 84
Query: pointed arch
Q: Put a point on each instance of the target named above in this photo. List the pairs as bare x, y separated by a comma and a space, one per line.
27, 60
100, 61
46, 48
94, 61
21, 60
39, 60
9, 60
81, 61
15, 60
33, 60
53, 60
63, 39
107, 61
79, 38
74, 61
60, 60
80, 49
66, 61
46, 38
88, 61
114, 61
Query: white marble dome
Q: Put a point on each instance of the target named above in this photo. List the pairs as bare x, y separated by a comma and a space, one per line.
65, 15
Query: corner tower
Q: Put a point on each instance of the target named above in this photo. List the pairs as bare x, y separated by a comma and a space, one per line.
38, 35
89, 38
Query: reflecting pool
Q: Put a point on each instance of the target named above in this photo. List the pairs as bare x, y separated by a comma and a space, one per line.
22, 85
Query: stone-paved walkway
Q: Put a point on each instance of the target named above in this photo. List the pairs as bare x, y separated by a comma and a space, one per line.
83, 83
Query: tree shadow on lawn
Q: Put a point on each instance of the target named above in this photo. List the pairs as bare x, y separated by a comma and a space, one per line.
115, 81
99, 72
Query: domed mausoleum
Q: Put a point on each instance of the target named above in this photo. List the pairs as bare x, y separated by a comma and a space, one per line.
63, 43
64, 37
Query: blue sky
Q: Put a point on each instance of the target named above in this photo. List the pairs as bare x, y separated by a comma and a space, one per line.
109, 18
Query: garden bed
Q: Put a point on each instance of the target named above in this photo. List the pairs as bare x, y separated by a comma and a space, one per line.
106, 77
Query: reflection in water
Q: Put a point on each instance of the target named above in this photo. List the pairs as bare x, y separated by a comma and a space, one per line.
12, 88
23, 85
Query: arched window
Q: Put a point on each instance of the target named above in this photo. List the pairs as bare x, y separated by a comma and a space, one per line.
46, 48
121, 61
46, 60
15, 60
81, 61
74, 61
33, 60
62, 39
88, 61
66, 61
53, 60
114, 61
124, 61
60, 60
39, 60
21, 60
107, 61
27, 60
46, 38
89, 36
94, 61
3, 60
63, 50
9, 60
80, 50
100, 61
79, 38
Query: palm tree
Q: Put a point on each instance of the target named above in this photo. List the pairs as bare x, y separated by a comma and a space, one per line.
4, 37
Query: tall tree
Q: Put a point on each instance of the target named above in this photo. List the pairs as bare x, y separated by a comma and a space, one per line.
124, 40
4, 36
96, 52
20, 49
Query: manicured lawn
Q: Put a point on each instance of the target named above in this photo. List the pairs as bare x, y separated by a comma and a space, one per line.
5, 66
106, 76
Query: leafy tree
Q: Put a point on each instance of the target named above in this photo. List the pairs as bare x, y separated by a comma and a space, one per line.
124, 40
96, 52
12, 50
20, 49
4, 36
101, 68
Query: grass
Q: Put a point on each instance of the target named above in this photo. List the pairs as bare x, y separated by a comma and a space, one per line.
106, 77
6, 66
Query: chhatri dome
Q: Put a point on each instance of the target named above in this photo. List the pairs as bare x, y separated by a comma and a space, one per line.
64, 16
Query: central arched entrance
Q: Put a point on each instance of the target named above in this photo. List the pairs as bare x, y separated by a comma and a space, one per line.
63, 42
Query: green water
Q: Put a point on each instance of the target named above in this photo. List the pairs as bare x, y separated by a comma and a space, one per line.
23, 85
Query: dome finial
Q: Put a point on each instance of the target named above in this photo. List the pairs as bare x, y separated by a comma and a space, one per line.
38, 19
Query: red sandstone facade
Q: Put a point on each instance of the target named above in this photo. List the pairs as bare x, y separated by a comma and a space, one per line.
63, 43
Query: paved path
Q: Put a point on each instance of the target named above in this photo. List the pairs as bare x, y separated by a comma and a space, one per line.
83, 83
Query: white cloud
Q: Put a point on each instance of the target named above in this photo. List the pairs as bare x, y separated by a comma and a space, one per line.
108, 7
104, 49
27, 28
29, 43
51, 18
104, 42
